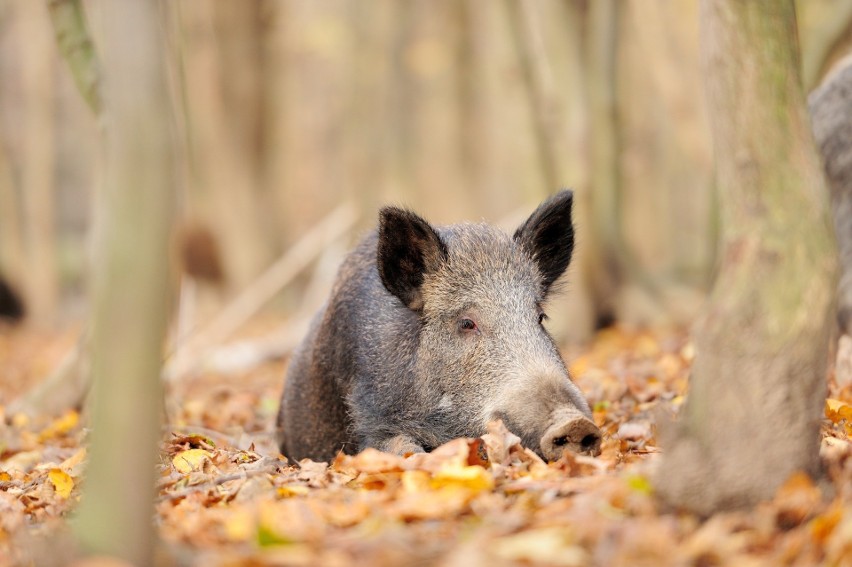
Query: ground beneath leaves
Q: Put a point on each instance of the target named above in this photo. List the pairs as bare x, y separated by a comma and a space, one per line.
226, 497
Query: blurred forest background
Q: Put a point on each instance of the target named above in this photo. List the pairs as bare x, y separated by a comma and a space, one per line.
461, 110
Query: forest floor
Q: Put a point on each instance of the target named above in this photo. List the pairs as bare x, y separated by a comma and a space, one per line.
225, 495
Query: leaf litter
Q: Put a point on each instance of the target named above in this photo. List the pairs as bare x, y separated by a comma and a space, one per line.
227, 497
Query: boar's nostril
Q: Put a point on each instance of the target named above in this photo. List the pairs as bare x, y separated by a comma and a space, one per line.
588, 441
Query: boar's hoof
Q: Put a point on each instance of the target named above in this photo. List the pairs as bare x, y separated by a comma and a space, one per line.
579, 435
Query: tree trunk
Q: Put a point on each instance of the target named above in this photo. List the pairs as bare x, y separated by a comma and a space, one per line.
37, 173
224, 184
758, 383
606, 272
130, 287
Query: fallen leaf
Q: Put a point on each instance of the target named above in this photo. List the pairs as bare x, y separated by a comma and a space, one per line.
60, 426
372, 461
240, 525
416, 481
641, 484
796, 500
823, 525
190, 460
477, 453
837, 410
61, 481
634, 430
74, 460
434, 505
498, 442
473, 478
288, 490
551, 546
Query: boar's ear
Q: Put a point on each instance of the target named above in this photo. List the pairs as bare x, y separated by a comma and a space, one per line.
548, 236
408, 249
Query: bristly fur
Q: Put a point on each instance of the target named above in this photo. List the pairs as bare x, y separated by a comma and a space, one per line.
389, 364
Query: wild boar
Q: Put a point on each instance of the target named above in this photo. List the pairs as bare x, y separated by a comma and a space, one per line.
432, 332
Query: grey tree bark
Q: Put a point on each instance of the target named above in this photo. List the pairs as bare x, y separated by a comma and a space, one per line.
758, 384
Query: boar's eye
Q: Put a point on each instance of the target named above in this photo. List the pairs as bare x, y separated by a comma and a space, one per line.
542, 317
467, 324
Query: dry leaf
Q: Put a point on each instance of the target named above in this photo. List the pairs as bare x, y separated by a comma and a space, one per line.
796, 500
550, 546
837, 410
474, 478
61, 481
60, 426
190, 460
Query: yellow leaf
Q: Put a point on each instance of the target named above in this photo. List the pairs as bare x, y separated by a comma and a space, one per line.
289, 490
472, 477
639, 483
415, 481
5, 477
837, 410
61, 482
240, 525
190, 460
60, 426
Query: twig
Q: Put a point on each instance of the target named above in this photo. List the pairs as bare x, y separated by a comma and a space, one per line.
248, 354
75, 45
242, 475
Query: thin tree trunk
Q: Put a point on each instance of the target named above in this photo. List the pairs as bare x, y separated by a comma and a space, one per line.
758, 383
37, 178
604, 143
224, 183
547, 38
131, 288
12, 257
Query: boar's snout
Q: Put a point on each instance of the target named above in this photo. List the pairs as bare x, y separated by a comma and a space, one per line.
575, 433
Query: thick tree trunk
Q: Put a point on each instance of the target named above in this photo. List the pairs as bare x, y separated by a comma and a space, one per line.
758, 382
131, 287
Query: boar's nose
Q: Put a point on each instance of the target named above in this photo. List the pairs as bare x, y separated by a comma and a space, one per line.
577, 434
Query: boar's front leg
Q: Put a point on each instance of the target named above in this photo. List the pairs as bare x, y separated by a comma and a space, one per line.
399, 445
